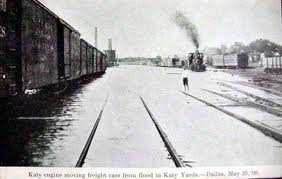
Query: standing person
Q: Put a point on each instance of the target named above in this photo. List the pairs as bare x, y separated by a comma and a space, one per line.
185, 79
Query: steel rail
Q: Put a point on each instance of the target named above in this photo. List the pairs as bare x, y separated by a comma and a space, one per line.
261, 107
84, 152
175, 157
271, 91
264, 129
251, 95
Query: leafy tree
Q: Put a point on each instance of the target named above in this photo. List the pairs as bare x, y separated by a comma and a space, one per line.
237, 47
223, 49
263, 46
280, 49
158, 60
210, 50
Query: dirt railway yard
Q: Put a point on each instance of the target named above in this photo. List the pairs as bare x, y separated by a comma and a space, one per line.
258, 77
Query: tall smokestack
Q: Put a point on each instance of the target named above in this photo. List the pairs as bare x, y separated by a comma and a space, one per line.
110, 44
96, 37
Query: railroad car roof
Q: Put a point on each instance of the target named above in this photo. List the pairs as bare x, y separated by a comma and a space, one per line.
91, 46
87, 43
55, 15
69, 26
82, 40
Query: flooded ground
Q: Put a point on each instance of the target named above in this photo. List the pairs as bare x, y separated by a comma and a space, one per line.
52, 132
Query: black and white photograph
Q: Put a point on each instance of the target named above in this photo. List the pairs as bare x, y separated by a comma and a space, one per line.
140, 83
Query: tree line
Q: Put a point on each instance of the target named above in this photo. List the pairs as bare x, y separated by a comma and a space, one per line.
254, 49
141, 60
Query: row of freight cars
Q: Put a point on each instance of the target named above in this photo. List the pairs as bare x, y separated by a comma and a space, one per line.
38, 49
272, 64
237, 60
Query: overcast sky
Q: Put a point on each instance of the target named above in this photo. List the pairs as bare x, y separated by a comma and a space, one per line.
145, 28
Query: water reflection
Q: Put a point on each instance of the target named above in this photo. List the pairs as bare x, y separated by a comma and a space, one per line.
29, 125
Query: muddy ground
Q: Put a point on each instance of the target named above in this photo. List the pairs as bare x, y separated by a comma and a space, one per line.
258, 77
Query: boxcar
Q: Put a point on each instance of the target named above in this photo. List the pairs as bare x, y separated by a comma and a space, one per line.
272, 64
218, 60
83, 57
238, 60
230, 60
104, 62
38, 46
89, 61
75, 55
68, 51
98, 61
39, 49
243, 60
95, 52
29, 45
92, 59
3, 45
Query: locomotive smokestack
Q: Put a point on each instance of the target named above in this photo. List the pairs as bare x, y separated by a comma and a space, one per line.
96, 37
110, 44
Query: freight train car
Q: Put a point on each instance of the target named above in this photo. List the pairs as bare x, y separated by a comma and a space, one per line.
38, 49
89, 60
104, 62
68, 52
31, 51
238, 60
83, 57
95, 56
272, 64
99, 59
3, 45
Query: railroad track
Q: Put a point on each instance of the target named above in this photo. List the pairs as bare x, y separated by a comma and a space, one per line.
268, 78
271, 91
267, 130
86, 147
261, 107
271, 103
175, 157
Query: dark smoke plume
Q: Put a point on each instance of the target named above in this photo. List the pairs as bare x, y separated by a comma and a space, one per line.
184, 23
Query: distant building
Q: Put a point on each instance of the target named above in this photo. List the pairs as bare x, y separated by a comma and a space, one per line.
111, 55
166, 62
174, 62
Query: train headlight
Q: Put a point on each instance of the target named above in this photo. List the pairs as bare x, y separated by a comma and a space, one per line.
4, 76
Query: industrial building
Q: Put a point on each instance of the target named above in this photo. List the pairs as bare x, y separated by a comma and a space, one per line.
111, 55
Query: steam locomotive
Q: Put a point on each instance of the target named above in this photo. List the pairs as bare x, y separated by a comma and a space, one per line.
196, 61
